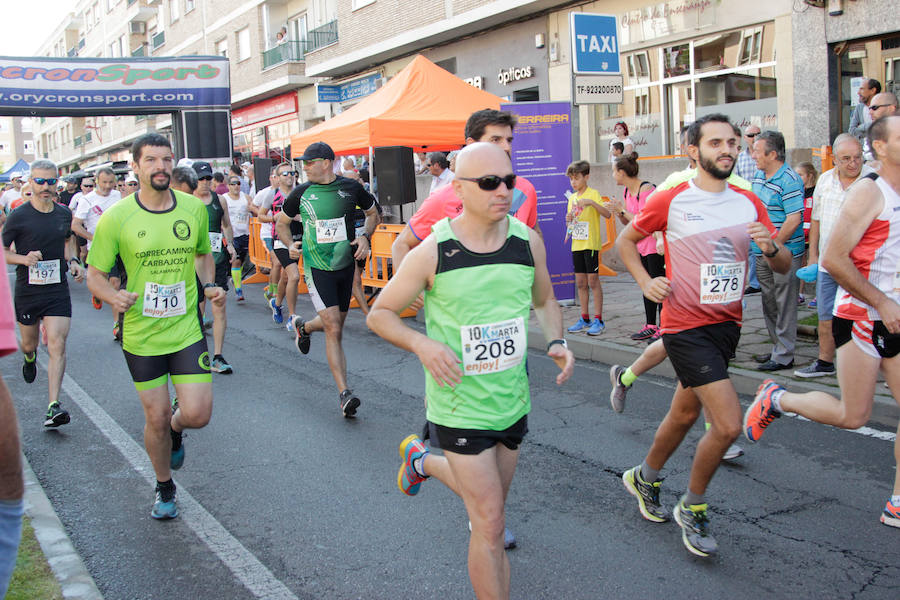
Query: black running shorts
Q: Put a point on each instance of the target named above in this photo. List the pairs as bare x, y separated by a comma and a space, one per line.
330, 288
476, 441
872, 337
242, 247
585, 261
284, 257
30, 309
701, 355
188, 365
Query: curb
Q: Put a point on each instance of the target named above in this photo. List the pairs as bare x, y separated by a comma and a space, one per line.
884, 409
65, 562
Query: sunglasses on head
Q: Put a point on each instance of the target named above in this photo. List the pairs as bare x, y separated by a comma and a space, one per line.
490, 183
47, 180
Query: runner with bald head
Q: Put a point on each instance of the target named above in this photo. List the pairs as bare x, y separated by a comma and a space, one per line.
480, 272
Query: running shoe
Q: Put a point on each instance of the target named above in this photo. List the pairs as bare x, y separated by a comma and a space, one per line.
596, 328
812, 303
96, 303
761, 411
580, 325
276, 312
302, 339
117, 332
408, 479
239, 295
349, 403
207, 321
817, 369
647, 495
656, 335
289, 324
220, 365
164, 508
56, 416
267, 294
734, 451
801, 300
694, 524
177, 459
890, 516
619, 390
509, 539
644, 334
29, 368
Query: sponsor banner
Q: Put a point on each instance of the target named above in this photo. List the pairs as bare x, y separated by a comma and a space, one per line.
89, 85
541, 152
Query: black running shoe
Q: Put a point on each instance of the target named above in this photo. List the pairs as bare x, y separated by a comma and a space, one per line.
647, 495
349, 403
303, 339
56, 416
29, 368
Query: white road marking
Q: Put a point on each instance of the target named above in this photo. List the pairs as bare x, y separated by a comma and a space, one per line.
247, 569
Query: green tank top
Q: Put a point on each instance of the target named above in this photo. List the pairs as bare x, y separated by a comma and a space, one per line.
479, 306
214, 209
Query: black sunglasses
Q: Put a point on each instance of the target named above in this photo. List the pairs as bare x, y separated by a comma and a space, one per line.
877, 106
490, 183
751, 135
291, 173
207, 178
87, 185
47, 180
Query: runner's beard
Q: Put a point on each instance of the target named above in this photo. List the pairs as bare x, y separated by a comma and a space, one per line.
157, 186
710, 167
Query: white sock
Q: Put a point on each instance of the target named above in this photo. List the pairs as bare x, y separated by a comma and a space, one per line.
419, 466
776, 400
895, 499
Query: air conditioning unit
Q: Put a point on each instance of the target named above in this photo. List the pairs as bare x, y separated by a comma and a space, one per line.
137, 27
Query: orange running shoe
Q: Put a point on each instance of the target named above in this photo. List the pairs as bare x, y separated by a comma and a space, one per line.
95, 301
408, 480
890, 516
761, 411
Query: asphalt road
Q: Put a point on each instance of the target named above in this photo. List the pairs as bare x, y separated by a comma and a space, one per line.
283, 498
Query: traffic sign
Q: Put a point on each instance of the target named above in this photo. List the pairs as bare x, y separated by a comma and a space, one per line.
595, 44
598, 89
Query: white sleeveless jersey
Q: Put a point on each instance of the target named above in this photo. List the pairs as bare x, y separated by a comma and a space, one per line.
877, 257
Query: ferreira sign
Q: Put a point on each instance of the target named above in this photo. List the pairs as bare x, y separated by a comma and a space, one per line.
92, 86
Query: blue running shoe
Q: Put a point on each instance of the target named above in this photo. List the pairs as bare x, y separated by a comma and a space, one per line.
581, 324
408, 480
177, 459
596, 328
276, 312
164, 508
239, 295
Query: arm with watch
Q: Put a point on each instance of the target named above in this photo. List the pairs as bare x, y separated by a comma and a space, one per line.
372, 219
75, 266
775, 253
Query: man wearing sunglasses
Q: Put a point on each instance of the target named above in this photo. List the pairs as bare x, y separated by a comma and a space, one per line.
492, 126
40, 231
481, 273
882, 105
326, 203
285, 272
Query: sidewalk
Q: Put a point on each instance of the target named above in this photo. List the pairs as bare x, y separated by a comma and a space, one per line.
623, 313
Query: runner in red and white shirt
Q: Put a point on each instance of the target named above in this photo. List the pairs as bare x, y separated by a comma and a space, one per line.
865, 261
707, 226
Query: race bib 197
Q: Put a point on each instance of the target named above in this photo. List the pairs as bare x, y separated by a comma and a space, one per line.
721, 283
44, 272
493, 347
215, 240
164, 300
581, 231
330, 231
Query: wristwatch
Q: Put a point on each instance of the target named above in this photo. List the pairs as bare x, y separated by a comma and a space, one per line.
773, 252
561, 342
210, 285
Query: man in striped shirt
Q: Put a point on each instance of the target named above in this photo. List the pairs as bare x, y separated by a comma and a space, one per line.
781, 190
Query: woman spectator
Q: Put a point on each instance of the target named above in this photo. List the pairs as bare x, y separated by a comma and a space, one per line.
621, 131
809, 175
636, 192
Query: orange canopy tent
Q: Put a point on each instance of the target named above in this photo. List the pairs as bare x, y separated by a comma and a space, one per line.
423, 106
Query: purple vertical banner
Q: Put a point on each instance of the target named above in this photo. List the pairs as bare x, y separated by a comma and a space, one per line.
542, 149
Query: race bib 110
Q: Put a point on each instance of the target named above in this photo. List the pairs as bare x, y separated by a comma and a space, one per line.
164, 300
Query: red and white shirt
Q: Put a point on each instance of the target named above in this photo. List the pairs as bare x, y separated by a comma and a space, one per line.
707, 245
877, 257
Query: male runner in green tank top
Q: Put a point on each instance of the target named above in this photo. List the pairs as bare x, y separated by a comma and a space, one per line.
481, 272
160, 234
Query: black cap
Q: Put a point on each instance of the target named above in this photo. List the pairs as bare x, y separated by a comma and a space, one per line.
202, 168
318, 150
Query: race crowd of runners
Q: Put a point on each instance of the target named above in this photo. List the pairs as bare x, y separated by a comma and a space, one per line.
161, 247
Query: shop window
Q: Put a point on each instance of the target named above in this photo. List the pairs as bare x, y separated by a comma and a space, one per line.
735, 87
751, 46
279, 140
892, 70
677, 60
526, 95
638, 66
716, 52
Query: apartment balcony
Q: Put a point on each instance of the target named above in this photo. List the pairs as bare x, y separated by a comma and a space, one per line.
322, 36
140, 50
295, 51
140, 11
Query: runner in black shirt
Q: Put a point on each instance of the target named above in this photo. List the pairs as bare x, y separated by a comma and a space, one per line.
40, 231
